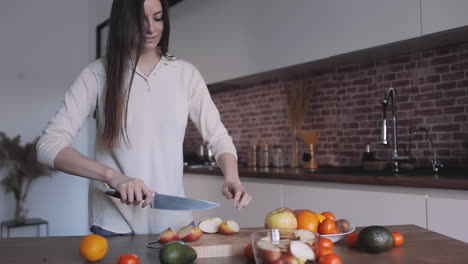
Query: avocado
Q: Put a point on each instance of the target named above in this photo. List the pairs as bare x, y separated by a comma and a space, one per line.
375, 239
177, 253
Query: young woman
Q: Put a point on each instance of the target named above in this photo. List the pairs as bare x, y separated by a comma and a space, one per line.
142, 98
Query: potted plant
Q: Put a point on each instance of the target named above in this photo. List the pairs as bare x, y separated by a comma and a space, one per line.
19, 165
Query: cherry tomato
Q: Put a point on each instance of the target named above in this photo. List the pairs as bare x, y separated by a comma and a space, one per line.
129, 259
330, 259
398, 239
352, 239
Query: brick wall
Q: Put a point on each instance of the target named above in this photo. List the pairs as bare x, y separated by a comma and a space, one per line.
431, 92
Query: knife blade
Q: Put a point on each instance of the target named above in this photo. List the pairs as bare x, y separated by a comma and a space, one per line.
170, 202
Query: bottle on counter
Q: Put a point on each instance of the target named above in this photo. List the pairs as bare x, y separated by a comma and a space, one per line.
263, 159
368, 155
252, 159
277, 157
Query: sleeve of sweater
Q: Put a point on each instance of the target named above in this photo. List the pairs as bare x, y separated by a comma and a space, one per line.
78, 105
205, 115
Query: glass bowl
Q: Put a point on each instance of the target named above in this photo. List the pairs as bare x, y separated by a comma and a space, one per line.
284, 245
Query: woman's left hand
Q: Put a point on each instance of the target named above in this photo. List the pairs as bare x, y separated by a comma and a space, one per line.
236, 192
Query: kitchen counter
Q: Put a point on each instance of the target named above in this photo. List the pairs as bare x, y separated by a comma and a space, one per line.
421, 246
457, 179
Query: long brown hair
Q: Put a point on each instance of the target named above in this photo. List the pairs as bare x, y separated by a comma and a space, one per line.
126, 37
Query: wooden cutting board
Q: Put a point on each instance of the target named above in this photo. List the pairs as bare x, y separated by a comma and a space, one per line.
219, 245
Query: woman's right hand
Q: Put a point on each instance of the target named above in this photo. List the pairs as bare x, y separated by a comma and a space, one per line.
131, 190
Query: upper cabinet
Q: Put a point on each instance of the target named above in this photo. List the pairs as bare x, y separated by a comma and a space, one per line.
230, 39
443, 15
360, 24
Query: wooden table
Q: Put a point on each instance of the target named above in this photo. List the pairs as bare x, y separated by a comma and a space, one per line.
421, 246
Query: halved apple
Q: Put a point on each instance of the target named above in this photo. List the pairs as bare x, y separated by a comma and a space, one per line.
210, 225
229, 227
301, 251
268, 251
189, 233
304, 236
168, 235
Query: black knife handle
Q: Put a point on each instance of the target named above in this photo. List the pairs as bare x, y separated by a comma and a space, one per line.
116, 194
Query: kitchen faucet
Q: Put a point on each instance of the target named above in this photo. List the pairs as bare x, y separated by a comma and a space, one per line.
435, 164
390, 95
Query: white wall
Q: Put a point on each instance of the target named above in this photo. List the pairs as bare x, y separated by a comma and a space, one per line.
43, 46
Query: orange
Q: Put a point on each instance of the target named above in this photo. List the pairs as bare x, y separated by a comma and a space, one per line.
93, 247
329, 215
398, 239
307, 220
325, 243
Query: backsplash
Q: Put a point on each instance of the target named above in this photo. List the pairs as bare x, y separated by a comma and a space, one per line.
431, 92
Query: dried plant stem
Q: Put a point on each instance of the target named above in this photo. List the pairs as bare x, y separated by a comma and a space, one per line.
297, 100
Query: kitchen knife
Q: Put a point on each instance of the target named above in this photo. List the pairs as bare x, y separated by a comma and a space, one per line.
169, 202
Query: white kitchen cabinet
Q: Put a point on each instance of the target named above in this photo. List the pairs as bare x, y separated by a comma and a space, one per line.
230, 39
362, 205
360, 24
448, 214
443, 15
207, 187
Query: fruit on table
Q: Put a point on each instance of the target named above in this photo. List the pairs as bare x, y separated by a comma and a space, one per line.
210, 225
352, 239
398, 239
282, 217
330, 259
268, 251
168, 235
229, 227
343, 225
375, 239
307, 220
321, 217
189, 233
93, 247
128, 259
177, 253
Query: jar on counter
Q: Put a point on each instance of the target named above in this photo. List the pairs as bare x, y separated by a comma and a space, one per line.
277, 157
252, 159
263, 159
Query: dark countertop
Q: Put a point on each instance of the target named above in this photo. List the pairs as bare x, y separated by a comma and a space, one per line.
455, 179
421, 246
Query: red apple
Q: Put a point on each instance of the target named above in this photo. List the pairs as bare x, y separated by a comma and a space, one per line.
281, 218
189, 233
268, 251
229, 227
168, 235
210, 225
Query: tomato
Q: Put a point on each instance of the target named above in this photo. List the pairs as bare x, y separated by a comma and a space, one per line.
325, 243
330, 259
327, 227
352, 239
329, 215
398, 239
129, 259
324, 251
